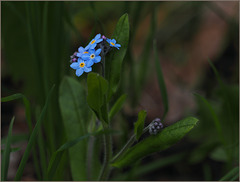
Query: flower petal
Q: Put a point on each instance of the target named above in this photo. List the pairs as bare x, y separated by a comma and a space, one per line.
97, 59
99, 40
79, 72
74, 65
85, 57
81, 49
98, 52
89, 63
97, 36
93, 46
87, 47
117, 45
114, 41
108, 40
79, 54
86, 69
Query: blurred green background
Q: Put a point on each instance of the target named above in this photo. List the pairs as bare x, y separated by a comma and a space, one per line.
39, 37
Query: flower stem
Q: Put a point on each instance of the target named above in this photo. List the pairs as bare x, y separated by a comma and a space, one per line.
107, 155
107, 139
127, 145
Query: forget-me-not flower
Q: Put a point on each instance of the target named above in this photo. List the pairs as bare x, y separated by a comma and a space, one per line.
80, 67
94, 41
92, 57
112, 43
81, 51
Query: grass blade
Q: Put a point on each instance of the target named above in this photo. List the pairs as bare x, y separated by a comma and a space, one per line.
214, 117
117, 106
26, 104
231, 175
161, 82
15, 149
29, 122
56, 157
32, 139
16, 138
6, 154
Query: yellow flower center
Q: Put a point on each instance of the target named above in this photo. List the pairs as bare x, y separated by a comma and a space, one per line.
92, 56
85, 52
93, 41
112, 43
82, 65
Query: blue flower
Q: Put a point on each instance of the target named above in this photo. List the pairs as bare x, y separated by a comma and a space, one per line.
112, 43
93, 42
81, 51
92, 57
80, 67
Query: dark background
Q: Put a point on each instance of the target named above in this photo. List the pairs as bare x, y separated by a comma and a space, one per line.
35, 54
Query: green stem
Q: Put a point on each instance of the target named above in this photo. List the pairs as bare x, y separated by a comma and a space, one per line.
107, 155
107, 139
127, 145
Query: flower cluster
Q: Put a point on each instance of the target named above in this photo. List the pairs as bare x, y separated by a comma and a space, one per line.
155, 126
97, 48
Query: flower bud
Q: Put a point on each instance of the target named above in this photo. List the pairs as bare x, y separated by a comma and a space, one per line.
155, 126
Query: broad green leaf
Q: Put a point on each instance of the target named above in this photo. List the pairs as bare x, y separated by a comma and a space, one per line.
139, 124
56, 157
78, 139
115, 59
155, 143
231, 175
74, 111
161, 82
117, 106
151, 167
6, 154
97, 88
32, 139
219, 154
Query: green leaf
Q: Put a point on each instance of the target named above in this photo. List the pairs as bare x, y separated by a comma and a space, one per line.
26, 104
15, 149
151, 167
155, 143
73, 142
144, 57
115, 59
97, 88
202, 151
219, 154
117, 106
161, 82
74, 111
32, 139
214, 118
16, 138
6, 154
139, 124
29, 122
231, 175
56, 157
